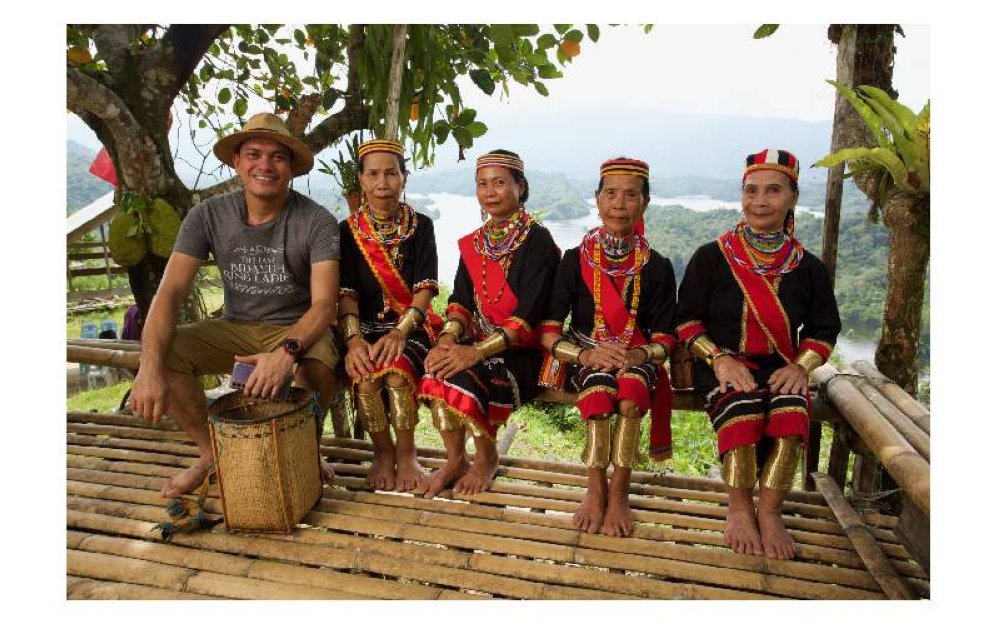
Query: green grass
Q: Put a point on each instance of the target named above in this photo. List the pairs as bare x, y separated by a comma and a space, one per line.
104, 399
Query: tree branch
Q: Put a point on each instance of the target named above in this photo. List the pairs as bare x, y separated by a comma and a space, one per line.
354, 115
218, 189
114, 44
171, 62
138, 164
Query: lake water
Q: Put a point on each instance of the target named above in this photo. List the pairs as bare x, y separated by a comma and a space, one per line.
460, 216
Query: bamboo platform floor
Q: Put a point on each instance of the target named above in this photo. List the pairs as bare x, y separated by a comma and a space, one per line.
516, 541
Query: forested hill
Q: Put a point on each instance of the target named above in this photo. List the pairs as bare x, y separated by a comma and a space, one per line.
82, 187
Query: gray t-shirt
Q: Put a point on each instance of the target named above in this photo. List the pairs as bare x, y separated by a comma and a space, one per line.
265, 268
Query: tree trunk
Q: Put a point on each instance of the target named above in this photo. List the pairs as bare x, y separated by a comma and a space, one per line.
909, 251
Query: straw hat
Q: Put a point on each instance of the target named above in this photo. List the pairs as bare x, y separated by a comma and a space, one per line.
266, 126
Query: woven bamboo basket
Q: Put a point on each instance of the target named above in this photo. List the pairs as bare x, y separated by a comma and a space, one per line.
267, 460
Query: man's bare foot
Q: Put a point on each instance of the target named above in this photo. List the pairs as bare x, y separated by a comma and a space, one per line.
326, 473
446, 476
410, 475
480, 475
187, 480
618, 520
778, 543
589, 516
382, 474
741, 534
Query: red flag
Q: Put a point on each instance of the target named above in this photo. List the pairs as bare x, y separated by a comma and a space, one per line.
103, 168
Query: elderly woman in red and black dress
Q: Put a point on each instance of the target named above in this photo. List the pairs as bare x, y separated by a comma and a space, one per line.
486, 361
760, 313
620, 296
388, 278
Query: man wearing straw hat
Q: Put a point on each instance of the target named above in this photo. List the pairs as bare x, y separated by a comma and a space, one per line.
278, 254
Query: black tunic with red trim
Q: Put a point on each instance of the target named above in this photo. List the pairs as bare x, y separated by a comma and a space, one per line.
710, 296
489, 391
416, 262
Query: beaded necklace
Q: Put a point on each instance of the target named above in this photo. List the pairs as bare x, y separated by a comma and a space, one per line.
497, 240
769, 253
597, 259
390, 231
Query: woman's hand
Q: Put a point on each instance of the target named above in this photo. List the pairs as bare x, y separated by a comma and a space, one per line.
729, 371
445, 360
605, 357
358, 362
791, 379
388, 348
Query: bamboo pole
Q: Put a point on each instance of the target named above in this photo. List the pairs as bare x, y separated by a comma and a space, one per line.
906, 404
103, 357
132, 421
894, 586
920, 440
509, 432
83, 588
903, 463
129, 346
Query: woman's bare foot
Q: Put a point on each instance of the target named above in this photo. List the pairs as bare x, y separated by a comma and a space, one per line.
446, 476
326, 473
484, 466
410, 475
741, 534
589, 516
382, 474
187, 480
778, 543
618, 520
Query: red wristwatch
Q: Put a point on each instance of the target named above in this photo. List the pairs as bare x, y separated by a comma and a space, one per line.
294, 348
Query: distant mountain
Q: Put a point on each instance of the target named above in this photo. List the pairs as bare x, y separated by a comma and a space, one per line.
82, 187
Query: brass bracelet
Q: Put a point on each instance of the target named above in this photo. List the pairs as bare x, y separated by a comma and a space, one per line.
565, 350
350, 326
492, 345
410, 320
705, 349
656, 353
453, 327
809, 360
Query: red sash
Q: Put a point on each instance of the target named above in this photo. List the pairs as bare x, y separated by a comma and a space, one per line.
761, 297
397, 293
496, 313
616, 317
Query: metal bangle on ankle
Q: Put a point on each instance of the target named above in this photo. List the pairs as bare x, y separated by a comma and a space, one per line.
597, 448
453, 327
565, 350
625, 442
493, 344
656, 353
402, 408
705, 349
739, 467
350, 326
371, 411
779, 469
410, 320
809, 360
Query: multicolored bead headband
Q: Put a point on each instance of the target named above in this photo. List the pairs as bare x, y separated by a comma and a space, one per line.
380, 145
625, 167
778, 160
493, 159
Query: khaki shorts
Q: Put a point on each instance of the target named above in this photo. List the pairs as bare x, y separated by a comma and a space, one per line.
208, 346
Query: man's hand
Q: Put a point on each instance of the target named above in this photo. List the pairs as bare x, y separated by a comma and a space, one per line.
272, 370
149, 398
358, 362
388, 348
729, 371
791, 379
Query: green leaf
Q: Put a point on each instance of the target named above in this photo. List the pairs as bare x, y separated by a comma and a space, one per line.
483, 80
647, 28
466, 117
562, 28
240, 107
574, 35
546, 41
900, 137
441, 130
502, 35
300, 37
880, 156
765, 30
872, 121
525, 30
329, 98
542, 89
549, 72
462, 136
593, 32
906, 118
225, 95
477, 129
